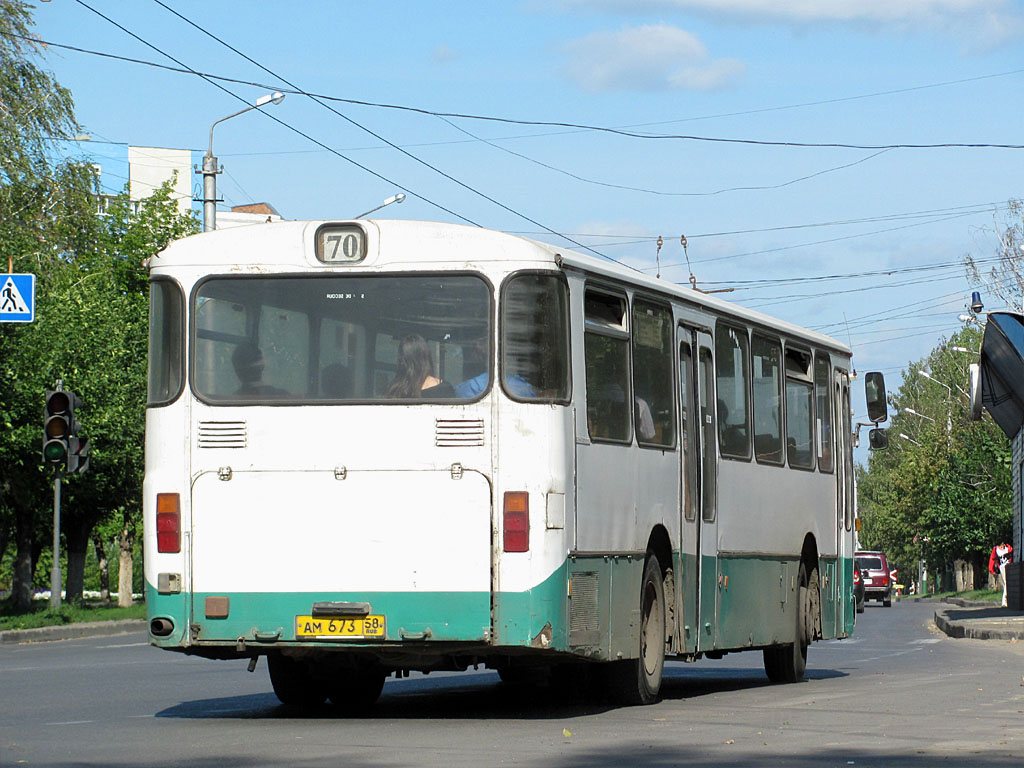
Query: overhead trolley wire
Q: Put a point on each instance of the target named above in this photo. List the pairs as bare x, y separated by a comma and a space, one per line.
539, 123
391, 144
306, 136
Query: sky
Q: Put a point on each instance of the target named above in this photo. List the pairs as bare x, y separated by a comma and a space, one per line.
787, 140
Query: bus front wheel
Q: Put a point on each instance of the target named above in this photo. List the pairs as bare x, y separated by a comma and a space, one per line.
638, 681
787, 663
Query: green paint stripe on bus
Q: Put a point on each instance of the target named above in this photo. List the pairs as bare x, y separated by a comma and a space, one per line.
438, 616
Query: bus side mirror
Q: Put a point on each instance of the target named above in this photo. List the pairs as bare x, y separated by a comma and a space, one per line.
874, 391
974, 374
878, 439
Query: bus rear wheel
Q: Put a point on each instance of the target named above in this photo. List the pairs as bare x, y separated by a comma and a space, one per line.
638, 681
354, 690
294, 683
787, 663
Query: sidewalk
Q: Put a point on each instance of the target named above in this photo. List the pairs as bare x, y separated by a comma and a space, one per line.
979, 621
72, 631
955, 617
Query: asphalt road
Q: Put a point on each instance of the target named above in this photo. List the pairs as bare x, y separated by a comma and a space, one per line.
899, 693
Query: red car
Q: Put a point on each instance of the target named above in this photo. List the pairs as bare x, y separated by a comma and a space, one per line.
858, 589
877, 582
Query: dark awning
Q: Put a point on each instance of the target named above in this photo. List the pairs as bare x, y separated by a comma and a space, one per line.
1002, 370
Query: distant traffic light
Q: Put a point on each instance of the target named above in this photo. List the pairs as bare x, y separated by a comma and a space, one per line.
62, 448
78, 455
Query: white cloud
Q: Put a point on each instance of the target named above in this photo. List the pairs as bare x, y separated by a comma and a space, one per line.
982, 21
653, 57
814, 10
443, 54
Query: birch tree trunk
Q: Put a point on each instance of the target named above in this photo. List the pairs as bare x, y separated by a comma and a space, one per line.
126, 543
101, 558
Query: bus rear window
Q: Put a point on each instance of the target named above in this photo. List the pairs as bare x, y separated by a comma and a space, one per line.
535, 338
285, 339
166, 337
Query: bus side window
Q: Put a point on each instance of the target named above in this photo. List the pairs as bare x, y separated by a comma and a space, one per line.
823, 408
652, 374
731, 377
799, 409
766, 356
606, 350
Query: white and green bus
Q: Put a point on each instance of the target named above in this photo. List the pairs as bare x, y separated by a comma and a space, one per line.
593, 469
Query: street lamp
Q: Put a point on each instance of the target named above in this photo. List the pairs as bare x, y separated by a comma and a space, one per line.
396, 198
909, 439
911, 410
948, 389
210, 170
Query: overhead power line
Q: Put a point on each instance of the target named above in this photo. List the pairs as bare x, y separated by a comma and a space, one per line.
537, 123
280, 122
379, 137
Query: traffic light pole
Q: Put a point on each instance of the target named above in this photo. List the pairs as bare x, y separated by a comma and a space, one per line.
55, 578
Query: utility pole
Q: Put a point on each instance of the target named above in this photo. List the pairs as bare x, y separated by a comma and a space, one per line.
210, 169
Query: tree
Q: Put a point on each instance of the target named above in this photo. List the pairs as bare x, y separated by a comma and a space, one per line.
942, 490
1006, 277
91, 321
37, 198
107, 309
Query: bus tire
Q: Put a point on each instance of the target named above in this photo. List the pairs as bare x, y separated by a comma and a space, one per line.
638, 681
293, 682
355, 690
787, 663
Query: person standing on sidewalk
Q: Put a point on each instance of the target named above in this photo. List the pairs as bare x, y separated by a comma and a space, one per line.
1002, 556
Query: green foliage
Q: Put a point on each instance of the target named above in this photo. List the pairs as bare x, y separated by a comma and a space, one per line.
91, 332
942, 490
91, 323
44, 213
40, 615
36, 110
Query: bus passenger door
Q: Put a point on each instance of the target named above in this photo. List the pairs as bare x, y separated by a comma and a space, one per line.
699, 544
687, 590
845, 504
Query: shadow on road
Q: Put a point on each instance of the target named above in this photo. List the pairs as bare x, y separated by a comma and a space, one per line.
627, 755
480, 696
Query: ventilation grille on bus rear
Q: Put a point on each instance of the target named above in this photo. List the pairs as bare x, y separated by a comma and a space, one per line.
584, 627
222, 434
454, 433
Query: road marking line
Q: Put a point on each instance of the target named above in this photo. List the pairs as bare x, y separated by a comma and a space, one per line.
122, 645
74, 722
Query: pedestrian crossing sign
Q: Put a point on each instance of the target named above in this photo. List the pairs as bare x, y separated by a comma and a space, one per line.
17, 298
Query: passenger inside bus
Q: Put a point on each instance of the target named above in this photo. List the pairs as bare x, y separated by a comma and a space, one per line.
476, 362
248, 362
415, 377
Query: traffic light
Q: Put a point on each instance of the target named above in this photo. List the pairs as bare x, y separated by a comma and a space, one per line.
61, 445
78, 455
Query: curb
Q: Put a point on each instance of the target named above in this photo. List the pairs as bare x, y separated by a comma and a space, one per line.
72, 631
962, 629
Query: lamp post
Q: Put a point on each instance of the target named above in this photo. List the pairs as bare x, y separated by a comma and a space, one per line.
210, 169
396, 198
949, 404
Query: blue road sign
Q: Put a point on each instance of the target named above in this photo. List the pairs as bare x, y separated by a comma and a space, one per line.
17, 298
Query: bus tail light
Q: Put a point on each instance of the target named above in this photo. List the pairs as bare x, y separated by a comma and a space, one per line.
168, 522
516, 515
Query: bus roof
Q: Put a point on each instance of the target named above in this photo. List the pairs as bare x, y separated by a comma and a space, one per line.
288, 245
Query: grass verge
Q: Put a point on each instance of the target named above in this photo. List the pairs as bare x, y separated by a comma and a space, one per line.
40, 614
982, 595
